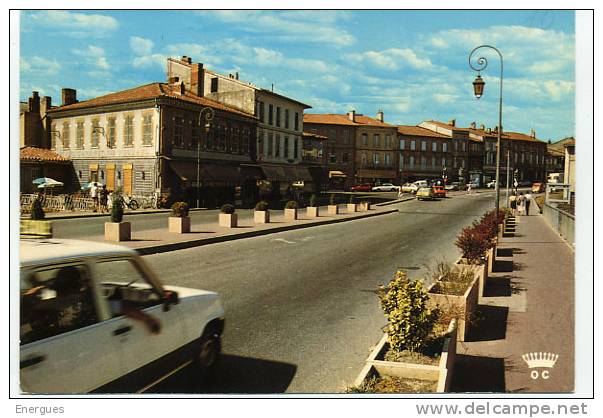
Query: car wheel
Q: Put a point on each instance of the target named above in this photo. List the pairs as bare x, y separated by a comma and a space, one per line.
208, 352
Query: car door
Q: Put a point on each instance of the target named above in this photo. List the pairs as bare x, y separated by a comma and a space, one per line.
145, 355
65, 348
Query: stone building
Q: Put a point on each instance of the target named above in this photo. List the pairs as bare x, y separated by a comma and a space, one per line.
424, 154
314, 157
40, 162
145, 140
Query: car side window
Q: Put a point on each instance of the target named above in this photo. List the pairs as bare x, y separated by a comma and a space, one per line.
122, 280
55, 301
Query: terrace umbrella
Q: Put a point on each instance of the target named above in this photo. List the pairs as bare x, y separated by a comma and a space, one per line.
47, 184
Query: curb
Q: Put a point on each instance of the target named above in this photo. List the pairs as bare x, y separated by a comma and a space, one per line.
395, 201
173, 246
98, 215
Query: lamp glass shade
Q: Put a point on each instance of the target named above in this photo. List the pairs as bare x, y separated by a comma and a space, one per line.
478, 86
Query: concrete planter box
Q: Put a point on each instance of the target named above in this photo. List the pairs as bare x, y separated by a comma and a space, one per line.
491, 259
364, 206
480, 270
261, 216
118, 231
463, 305
333, 209
35, 228
290, 215
312, 212
227, 220
179, 225
352, 207
442, 373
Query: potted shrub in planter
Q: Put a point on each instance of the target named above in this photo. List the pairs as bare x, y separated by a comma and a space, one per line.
179, 221
312, 210
365, 205
417, 345
36, 226
291, 210
116, 230
352, 207
261, 213
227, 217
455, 292
333, 208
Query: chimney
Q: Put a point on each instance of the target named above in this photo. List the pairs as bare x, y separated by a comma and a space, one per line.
352, 115
496, 128
489, 130
473, 126
45, 105
180, 88
452, 122
68, 96
482, 127
380, 115
549, 142
34, 102
197, 79
186, 59
237, 75
533, 133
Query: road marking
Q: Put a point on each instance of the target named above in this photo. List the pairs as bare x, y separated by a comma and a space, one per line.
283, 240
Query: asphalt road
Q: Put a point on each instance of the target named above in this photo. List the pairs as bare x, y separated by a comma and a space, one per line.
301, 308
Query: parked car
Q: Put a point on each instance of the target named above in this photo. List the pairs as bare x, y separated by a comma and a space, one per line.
455, 185
95, 317
366, 187
538, 188
425, 193
524, 183
386, 187
439, 191
421, 183
409, 188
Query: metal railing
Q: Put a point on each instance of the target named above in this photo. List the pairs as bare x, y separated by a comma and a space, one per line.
561, 221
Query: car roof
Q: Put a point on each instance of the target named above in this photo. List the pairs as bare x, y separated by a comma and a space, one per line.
36, 251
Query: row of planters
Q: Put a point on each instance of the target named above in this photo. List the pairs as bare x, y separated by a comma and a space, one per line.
180, 222
418, 350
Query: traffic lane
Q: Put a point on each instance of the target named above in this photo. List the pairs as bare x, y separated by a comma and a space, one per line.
307, 298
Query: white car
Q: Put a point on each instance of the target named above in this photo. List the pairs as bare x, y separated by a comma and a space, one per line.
386, 187
94, 317
410, 188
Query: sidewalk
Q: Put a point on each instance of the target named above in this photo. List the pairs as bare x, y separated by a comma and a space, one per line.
160, 240
528, 308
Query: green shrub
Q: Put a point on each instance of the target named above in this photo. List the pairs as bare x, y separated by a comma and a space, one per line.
228, 209
261, 206
473, 243
180, 210
37, 211
292, 204
117, 209
313, 200
410, 319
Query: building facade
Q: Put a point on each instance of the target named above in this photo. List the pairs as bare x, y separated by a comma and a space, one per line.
424, 154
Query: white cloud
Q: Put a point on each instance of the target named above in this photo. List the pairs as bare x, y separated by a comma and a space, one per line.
392, 59
151, 60
75, 24
93, 55
304, 26
38, 64
141, 46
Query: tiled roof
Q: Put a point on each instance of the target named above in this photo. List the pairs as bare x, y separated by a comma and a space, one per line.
555, 151
337, 119
40, 154
419, 131
570, 143
147, 92
506, 134
520, 137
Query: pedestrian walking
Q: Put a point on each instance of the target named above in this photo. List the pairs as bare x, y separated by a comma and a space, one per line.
94, 195
104, 195
527, 203
469, 188
513, 203
521, 201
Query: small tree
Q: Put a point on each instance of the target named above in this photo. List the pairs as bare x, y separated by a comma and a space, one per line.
409, 318
292, 204
473, 243
261, 206
228, 209
313, 200
180, 210
37, 211
117, 210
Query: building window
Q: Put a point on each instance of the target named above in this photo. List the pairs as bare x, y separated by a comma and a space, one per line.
270, 144
147, 130
129, 131
286, 148
464, 146
375, 159
443, 162
413, 145
79, 135
296, 121
278, 117
401, 161
111, 132
411, 161
277, 145
286, 118
365, 140
376, 140
363, 160
388, 160
262, 116
53, 136
222, 138
332, 157
295, 148
402, 144
178, 132
423, 145
95, 134
214, 85
434, 146
270, 114
423, 162
345, 157
195, 138
433, 162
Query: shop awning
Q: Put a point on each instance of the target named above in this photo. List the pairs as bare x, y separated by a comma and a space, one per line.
335, 173
288, 174
211, 174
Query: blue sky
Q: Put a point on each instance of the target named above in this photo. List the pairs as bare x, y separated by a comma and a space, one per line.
411, 64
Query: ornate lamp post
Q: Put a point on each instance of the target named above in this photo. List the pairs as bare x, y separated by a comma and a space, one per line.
478, 89
208, 112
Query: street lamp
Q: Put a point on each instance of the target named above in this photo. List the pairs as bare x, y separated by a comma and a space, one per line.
208, 112
478, 89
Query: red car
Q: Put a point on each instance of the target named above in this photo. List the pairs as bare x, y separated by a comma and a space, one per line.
439, 191
366, 187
